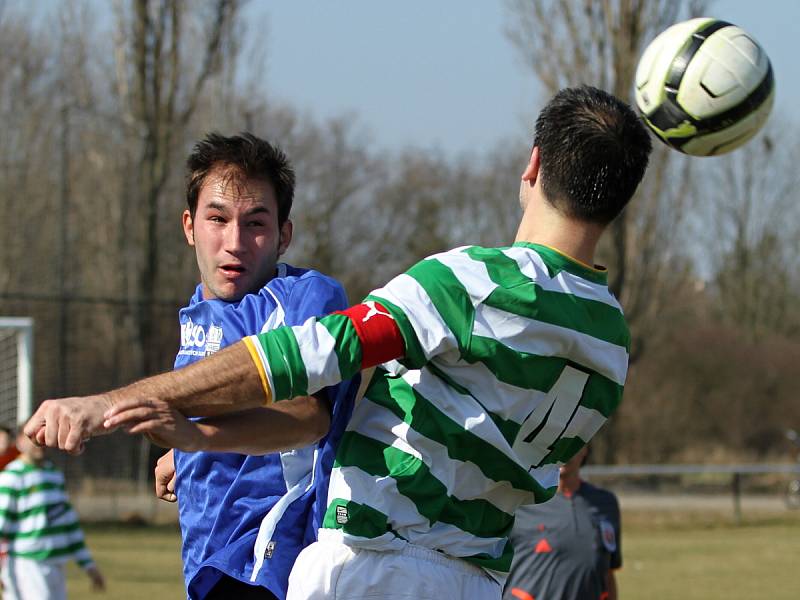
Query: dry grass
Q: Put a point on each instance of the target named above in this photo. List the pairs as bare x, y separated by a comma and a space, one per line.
682, 556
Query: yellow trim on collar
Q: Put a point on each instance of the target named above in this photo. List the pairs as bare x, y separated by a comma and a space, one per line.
596, 268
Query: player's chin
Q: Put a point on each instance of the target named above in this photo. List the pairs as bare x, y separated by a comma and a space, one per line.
231, 291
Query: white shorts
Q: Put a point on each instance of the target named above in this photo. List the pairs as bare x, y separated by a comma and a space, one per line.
26, 579
332, 570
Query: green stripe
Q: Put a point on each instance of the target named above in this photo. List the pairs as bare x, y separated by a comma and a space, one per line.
415, 481
52, 553
414, 354
563, 450
19, 467
449, 297
39, 487
285, 363
406, 403
361, 520
562, 309
43, 532
534, 372
501, 563
12, 515
347, 346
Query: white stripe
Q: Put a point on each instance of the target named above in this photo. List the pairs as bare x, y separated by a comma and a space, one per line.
39, 521
532, 266
18, 480
46, 543
463, 480
585, 423
432, 332
381, 493
472, 274
317, 350
277, 317
40, 499
547, 475
463, 410
268, 524
544, 339
503, 399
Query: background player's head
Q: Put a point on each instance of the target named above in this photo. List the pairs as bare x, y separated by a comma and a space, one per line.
6, 437
590, 153
29, 451
239, 192
572, 468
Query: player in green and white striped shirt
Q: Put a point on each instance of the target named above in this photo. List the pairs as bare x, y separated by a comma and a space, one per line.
494, 365
39, 529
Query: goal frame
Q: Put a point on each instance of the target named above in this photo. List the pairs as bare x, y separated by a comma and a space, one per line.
23, 327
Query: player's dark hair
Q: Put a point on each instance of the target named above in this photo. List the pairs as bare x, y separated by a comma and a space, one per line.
243, 155
593, 151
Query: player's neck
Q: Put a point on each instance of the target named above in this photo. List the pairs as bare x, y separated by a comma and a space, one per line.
569, 485
542, 224
30, 460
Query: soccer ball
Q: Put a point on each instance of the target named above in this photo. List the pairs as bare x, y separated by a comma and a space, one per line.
704, 86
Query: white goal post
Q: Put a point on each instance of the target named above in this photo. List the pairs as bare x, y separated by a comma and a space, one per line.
16, 369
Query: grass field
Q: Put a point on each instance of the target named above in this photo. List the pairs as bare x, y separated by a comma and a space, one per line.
680, 556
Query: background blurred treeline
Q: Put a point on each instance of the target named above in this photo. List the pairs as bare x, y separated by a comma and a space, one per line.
99, 110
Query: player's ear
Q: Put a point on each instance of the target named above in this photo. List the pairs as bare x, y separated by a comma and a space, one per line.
285, 236
531, 172
188, 227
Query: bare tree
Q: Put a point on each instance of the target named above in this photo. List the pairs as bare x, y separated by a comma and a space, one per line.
752, 234
161, 76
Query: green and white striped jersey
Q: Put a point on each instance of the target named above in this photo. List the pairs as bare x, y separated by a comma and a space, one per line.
36, 519
514, 358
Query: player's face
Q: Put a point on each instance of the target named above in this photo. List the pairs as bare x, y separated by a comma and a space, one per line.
235, 234
573, 466
29, 449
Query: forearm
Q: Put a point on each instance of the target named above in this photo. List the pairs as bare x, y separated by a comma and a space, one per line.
281, 426
227, 381
611, 585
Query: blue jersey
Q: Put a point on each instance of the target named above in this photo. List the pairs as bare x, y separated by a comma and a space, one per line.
249, 516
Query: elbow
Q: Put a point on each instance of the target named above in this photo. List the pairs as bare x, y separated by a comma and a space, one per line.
319, 422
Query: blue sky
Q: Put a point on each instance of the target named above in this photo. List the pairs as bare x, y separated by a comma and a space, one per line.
441, 74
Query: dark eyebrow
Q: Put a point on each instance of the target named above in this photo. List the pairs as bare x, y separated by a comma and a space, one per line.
257, 210
217, 206
213, 205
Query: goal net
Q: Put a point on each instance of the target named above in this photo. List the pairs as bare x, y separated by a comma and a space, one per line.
16, 369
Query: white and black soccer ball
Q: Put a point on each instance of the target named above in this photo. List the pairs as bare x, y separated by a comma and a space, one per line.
704, 86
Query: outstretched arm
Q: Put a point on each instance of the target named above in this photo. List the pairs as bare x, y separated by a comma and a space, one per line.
249, 374
224, 382
282, 426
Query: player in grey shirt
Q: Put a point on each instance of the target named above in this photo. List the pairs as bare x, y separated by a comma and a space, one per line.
568, 547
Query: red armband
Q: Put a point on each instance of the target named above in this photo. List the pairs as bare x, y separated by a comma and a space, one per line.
378, 332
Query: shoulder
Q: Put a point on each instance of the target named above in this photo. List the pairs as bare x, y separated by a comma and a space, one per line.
291, 278
599, 497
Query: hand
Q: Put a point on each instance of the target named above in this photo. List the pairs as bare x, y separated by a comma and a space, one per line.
165, 477
96, 577
68, 422
164, 425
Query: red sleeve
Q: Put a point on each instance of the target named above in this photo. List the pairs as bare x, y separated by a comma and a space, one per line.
380, 337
